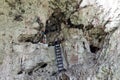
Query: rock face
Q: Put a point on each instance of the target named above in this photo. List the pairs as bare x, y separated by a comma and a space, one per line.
89, 30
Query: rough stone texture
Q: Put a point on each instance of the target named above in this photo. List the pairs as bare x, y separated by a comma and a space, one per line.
26, 61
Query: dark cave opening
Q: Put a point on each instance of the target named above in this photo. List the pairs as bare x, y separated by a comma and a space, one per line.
20, 72
43, 65
94, 49
30, 73
18, 18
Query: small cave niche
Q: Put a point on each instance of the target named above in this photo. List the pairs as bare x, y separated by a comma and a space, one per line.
53, 24
18, 18
94, 49
30, 72
43, 65
20, 72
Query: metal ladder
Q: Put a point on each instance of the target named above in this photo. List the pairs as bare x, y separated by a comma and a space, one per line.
59, 58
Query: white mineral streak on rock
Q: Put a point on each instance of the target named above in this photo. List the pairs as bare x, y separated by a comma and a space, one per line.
106, 10
87, 2
110, 11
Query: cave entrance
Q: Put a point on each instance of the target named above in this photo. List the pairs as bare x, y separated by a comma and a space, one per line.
94, 49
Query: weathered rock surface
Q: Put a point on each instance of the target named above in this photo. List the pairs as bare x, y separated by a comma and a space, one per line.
25, 60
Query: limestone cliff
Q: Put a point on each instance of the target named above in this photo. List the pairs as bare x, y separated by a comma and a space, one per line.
88, 31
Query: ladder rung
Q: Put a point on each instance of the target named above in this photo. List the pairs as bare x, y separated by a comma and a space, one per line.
58, 53
59, 69
59, 60
57, 45
59, 56
57, 50
60, 65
